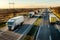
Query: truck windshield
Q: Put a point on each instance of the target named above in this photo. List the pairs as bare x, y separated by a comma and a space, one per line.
10, 23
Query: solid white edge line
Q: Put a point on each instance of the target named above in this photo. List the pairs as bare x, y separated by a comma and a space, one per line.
50, 37
48, 26
38, 32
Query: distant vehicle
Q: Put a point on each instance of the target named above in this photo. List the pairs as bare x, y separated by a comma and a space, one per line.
14, 22
31, 14
39, 10
36, 12
52, 18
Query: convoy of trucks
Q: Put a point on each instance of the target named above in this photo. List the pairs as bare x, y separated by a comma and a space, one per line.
14, 22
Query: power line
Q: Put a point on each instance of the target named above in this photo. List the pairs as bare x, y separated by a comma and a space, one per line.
11, 3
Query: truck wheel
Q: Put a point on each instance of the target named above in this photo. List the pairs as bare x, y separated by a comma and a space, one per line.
22, 23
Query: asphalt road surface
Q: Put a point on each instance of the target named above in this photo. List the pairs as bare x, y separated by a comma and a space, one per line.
55, 34
47, 31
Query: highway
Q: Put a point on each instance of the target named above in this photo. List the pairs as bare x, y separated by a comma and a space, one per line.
47, 31
20, 32
26, 27
55, 34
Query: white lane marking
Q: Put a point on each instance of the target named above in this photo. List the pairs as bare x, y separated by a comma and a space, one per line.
38, 31
50, 37
59, 30
48, 26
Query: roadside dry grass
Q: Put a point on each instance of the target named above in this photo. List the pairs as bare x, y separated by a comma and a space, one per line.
38, 21
22, 13
28, 37
56, 13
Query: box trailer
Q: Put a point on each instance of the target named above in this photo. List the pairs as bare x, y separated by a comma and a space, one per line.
52, 18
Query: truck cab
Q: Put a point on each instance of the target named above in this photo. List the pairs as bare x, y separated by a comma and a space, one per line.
31, 14
10, 24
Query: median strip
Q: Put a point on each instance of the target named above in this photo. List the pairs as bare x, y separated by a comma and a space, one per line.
32, 33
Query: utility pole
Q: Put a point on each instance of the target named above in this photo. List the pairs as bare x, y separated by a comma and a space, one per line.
11, 6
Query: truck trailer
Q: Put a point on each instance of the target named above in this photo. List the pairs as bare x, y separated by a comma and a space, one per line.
14, 22
52, 18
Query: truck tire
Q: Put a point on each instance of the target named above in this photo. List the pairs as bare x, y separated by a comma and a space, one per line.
22, 23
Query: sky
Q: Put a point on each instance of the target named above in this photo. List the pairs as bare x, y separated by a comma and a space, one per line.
29, 3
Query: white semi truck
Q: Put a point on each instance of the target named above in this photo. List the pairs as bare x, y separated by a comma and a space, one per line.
14, 22
31, 14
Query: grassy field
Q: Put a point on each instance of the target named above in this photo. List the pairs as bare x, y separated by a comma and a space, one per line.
22, 13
